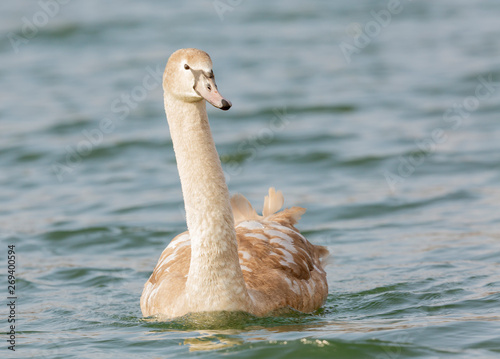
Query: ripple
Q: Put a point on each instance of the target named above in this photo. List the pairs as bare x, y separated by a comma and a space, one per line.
415, 272
270, 112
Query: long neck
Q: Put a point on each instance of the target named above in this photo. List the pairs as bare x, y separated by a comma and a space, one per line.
215, 281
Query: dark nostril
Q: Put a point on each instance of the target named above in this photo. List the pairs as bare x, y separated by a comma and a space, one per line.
225, 105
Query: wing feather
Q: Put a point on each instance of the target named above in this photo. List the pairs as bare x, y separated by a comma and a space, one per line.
281, 268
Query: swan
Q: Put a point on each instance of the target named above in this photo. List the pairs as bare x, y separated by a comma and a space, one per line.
230, 258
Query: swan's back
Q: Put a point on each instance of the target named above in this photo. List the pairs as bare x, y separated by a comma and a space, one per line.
280, 267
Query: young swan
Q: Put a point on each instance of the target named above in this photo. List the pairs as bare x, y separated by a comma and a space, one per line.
230, 259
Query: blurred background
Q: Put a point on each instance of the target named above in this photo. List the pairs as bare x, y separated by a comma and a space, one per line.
380, 117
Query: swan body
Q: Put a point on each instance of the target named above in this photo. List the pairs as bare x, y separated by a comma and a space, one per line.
231, 258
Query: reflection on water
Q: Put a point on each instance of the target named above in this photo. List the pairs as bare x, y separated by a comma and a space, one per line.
212, 340
264, 330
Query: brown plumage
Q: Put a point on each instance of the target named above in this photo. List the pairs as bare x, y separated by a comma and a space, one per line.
280, 267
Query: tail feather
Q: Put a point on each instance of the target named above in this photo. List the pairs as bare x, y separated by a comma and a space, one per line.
242, 209
288, 216
324, 255
273, 202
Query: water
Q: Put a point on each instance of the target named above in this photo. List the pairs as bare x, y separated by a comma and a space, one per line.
388, 143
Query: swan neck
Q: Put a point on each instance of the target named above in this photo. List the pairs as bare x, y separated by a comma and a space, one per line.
215, 280
206, 196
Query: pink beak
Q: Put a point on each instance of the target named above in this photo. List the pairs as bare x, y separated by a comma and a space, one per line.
205, 86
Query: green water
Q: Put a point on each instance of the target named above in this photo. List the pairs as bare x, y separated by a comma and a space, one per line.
385, 127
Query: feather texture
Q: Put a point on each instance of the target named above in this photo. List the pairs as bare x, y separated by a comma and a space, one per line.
280, 267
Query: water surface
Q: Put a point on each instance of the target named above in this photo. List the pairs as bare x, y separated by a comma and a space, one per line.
391, 148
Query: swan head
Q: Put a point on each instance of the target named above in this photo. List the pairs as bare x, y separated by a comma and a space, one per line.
189, 77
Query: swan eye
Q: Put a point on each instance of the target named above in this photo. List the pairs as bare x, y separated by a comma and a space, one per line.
209, 88
186, 66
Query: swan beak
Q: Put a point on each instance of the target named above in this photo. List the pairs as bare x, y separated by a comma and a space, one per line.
206, 88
